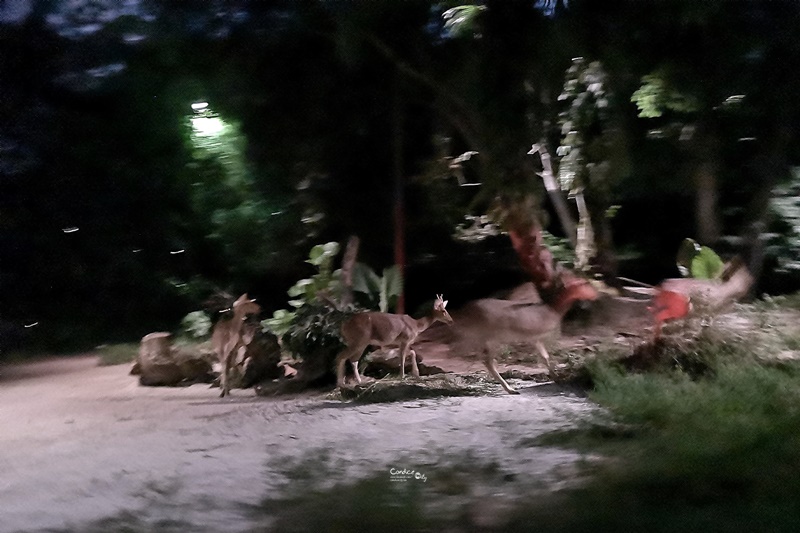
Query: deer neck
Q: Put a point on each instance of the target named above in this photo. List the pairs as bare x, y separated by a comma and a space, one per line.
238, 319
424, 323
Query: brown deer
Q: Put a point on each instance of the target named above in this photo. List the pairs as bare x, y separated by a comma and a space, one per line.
227, 337
484, 325
384, 330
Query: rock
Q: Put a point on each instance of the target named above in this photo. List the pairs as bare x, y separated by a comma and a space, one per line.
161, 364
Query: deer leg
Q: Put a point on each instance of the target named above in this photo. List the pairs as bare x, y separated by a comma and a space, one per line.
414, 367
352, 354
341, 359
403, 348
354, 362
545, 355
226, 368
491, 366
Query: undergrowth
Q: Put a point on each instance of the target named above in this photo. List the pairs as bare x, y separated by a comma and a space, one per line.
707, 437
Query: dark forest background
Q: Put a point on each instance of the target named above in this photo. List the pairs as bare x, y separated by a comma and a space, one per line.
123, 206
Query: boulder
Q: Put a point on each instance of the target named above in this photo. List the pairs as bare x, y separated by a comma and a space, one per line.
161, 364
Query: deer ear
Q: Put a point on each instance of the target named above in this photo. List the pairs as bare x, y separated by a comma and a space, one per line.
444, 304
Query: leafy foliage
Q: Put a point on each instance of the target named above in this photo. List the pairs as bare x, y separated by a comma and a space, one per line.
582, 125
312, 328
314, 331
196, 325
462, 20
379, 292
657, 95
560, 248
306, 291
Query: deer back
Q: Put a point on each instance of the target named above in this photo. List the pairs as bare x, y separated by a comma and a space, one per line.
379, 329
506, 321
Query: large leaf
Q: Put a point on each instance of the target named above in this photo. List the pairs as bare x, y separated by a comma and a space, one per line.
323, 254
366, 281
300, 288
279, 324
391, 287
707, 264
698, 261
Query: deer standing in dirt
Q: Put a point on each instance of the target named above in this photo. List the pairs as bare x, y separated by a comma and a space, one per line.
484, 325
384, 330
227, 337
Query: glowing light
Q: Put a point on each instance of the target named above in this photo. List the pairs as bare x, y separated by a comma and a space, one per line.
207, 126
71, 229
31, 325
176, 252
199, 106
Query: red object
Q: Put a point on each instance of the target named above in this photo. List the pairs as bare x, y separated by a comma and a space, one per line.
536, 259
668, 305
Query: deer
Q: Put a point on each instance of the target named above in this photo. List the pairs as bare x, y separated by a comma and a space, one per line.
227, 337
485, 324
385, 330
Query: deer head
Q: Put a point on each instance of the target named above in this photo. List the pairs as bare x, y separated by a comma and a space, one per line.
244, 306
439, 311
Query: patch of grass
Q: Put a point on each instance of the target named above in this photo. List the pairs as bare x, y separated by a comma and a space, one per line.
117, 354
715, 451
784, 301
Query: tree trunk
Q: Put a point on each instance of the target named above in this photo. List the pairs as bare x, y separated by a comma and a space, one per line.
348, 264
706, 195
535, 259
555, 193
585, 248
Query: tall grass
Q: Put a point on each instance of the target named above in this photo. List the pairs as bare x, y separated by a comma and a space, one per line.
718, 451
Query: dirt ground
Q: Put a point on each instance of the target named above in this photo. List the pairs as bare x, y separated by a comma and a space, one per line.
83, 443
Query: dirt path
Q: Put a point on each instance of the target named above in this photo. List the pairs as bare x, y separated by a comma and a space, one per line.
82, 444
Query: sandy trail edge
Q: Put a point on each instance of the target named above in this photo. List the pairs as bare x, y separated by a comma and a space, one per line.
81, 442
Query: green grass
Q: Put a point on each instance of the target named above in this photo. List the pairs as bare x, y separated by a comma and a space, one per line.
117, 354
718, 451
